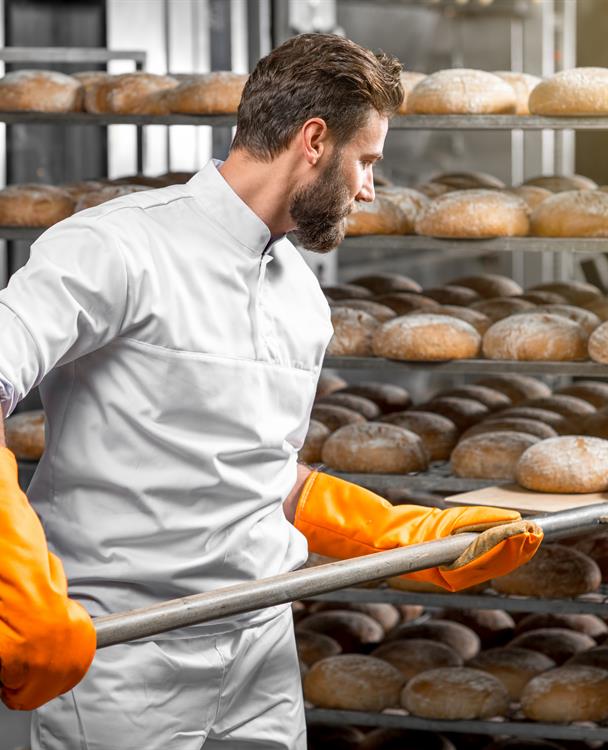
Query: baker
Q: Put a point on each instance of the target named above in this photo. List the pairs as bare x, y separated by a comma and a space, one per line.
177, 337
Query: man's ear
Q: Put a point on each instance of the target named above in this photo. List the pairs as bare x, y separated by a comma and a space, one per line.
314, 136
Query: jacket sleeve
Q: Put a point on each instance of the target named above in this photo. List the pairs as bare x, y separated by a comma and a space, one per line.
68, 300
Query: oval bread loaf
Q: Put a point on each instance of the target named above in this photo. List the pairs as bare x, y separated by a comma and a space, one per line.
352, 630
386, 283
353, 333
310, 452
576, 213
459, 637
388, 397
437, 433
490, 285
334, 417
513, 666
492, 455
32, 205
574, 693
39, 91
535, 337
215, 93
360, 404
575, 292
462, 91
557, 183
577, 91
559, 644
523, 84
517, 387
426, 337
511, 424
417, 655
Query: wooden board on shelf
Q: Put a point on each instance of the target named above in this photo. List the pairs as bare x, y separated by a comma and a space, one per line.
516, 497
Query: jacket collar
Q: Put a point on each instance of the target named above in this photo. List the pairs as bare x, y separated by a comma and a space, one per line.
224, 206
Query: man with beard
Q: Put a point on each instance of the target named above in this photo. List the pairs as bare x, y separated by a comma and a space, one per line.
178, 337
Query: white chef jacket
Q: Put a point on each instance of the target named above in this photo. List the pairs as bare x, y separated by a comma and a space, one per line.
177, 350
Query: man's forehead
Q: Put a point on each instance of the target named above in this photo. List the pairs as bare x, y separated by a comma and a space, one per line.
371, 135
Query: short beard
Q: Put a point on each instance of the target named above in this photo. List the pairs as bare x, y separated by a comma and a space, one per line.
320, 210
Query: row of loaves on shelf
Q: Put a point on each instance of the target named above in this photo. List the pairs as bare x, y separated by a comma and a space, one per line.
501, 428
488, 315
575, 92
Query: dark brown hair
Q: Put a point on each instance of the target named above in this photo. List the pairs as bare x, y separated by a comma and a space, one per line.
314, 75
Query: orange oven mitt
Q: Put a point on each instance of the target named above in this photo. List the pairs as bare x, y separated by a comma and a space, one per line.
343, 520
47, 641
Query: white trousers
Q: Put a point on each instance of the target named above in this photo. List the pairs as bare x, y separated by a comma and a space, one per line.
238, 691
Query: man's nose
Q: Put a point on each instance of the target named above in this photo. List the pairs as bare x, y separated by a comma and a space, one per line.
367, 192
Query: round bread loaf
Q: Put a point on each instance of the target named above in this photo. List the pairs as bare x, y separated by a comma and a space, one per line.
399, 739
451, 294
511, 424
353, 682
567, 406
455, 693
566, 465
479, 321
531, 194
559, 644
215, 93
130, 93
468, 180
352, 630
25, 434
546, 416
585, 318
535, 337
386, 283
493, 626
490, 397
310, 452
404, 303
39, 91
312, 646
498, 308
376, 448
346, 291
380, 312
360, 404
437, 433
490, 285
595, 657
595, 546
576, 213
598, 344
593, 391
464, 641
464, 412
381, 216
462, 91
557, 183
386, 615
492, 455
417, 655
555, 571
517, 387
353, 333
575, 292
588, 624
329, 737
426, 338
334, 417
471, 214
522, 84
578, 91
513, 666
329, 383
32, 205
573, 693
408, 200
598, 306
108, 193
409, 79
543, 298
80, 188
389, 397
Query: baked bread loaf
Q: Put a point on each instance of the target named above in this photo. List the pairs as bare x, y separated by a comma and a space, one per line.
511, 424
437, 433
25, 433
462, 91
492, 455
479, 321
585, 318
543, 298
94, 198
513, 666
535, 337
558, 183
593, 391
353, 333
468, 180
493, 626
598, 306
353, 682
313, 646
559, 644
595, 657
417, 655
216, 93
77, 189
464, 641
382, 313
578, 91
452, 294
567, 406
455, 693
387, 283
329, 383
310, 452
598, 344
334, 417
546, 416
381, 216
490, 397
555, 571
351, 630
39, 91
464, 412
517, 387
497, 308
346, 291
375, 447
573, 693
130, 93
589, 625
32, 205
576, 213
595, 546
360, 404
426, 337
575, 292
523, 84
389, 397
404, 303
386, 615
490, 285
409, 79
565, 464
409, 201
472, 214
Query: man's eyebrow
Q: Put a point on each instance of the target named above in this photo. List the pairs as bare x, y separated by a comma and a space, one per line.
376, 156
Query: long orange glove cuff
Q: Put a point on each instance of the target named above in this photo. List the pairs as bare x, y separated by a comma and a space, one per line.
47, 641
343, 520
